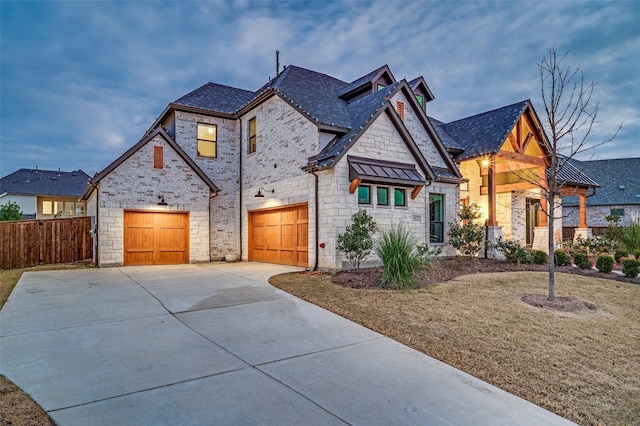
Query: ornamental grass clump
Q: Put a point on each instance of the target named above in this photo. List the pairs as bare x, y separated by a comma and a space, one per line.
400, 258
604, 263
631, 235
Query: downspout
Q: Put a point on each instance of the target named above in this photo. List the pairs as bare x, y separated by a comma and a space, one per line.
317, 215
97, 188
240, 203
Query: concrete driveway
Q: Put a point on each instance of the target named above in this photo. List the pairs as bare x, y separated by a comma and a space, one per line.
216, 344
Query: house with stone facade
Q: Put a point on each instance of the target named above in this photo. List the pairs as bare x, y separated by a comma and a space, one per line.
618, 194
274, 175
503, 154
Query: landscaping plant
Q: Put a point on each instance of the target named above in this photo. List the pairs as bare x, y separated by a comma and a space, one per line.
604, 263
356, 243
397, 250
631, 236
10, 211
631, 268
539, 257
560, 258
468, 236
514, 251
614, 231
620, 254
636, 254
581, 260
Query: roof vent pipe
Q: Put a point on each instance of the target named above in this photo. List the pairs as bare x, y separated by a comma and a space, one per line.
277, 62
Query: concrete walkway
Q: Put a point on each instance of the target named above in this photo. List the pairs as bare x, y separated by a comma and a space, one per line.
216, 344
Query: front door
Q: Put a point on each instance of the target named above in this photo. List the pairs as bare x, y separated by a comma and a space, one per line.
532, 218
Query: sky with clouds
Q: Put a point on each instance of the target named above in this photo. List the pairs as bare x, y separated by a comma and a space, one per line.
81, 81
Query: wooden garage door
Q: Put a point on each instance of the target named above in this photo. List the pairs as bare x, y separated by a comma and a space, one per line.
152, 238
280, 235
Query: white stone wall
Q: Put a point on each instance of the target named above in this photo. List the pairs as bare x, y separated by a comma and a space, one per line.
135, 184
223, 170
596, 215
337, 205
418, 132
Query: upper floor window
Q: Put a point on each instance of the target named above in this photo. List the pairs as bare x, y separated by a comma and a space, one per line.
364, 194
436, 218
380, 87
617, 212
420, 100
207, 140
252, 135
399, 197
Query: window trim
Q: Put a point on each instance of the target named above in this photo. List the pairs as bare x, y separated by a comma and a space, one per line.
252, 142
433, 222
404, 197
368, 202
214, 142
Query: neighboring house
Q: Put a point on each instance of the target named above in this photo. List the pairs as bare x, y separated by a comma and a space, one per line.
619, 192
276, 174
45, 194
503, 155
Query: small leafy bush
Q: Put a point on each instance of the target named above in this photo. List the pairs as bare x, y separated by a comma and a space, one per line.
400, 258
356, 242
560, 258
539, 257
631, 268
581, 260
604, 263
636, 253
468, 236
10, 211
514, 251
620, 254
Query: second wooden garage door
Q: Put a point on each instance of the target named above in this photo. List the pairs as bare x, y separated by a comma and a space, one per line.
152, 238
280, 235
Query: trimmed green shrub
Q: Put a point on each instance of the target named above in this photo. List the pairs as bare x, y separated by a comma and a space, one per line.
636, 253
604, 263
631, 267
560, 258
397, 250
514, 251
620, 254
539, 257
582, 261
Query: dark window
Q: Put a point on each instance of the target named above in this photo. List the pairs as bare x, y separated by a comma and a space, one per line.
436, 218
617, 212
399, 197
382, 195
207, 140
364, 194
252, 135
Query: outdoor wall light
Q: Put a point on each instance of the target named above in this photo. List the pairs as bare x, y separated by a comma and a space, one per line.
162, 202
260, 194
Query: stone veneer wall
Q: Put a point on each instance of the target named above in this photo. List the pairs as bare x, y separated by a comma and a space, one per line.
596, 215
222, 170
135, 184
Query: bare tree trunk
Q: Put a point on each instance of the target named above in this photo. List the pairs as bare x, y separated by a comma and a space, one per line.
550, 228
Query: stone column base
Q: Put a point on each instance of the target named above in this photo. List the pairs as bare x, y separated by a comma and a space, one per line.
493, 234
541, 239
584, 233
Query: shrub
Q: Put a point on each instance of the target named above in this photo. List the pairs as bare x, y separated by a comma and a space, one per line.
620, 254
356, 242
399, 255
631, 267
614, 231
539, 257
604, 263
514, 251
631, 235
10, 211
560, 258
469, 236
581, 260
602, 244
636, 253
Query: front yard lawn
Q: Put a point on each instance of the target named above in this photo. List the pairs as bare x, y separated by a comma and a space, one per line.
584, 366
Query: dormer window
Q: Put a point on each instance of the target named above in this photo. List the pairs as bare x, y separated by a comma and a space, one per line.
420, 100
380, 87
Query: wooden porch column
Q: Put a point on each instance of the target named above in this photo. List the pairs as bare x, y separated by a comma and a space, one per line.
543, 221
491, 221
583, 211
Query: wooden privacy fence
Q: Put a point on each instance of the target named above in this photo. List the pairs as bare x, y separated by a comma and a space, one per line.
42, 242
568, 232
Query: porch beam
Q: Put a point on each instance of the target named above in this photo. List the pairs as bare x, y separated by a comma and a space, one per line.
521, 186
416, 190
529, 159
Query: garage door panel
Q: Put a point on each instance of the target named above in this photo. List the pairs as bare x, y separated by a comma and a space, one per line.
152, 238
276, 236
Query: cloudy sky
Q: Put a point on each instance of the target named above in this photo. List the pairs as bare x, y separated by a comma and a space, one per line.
81, 81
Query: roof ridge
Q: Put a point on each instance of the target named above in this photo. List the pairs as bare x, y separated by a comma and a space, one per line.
489, 111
